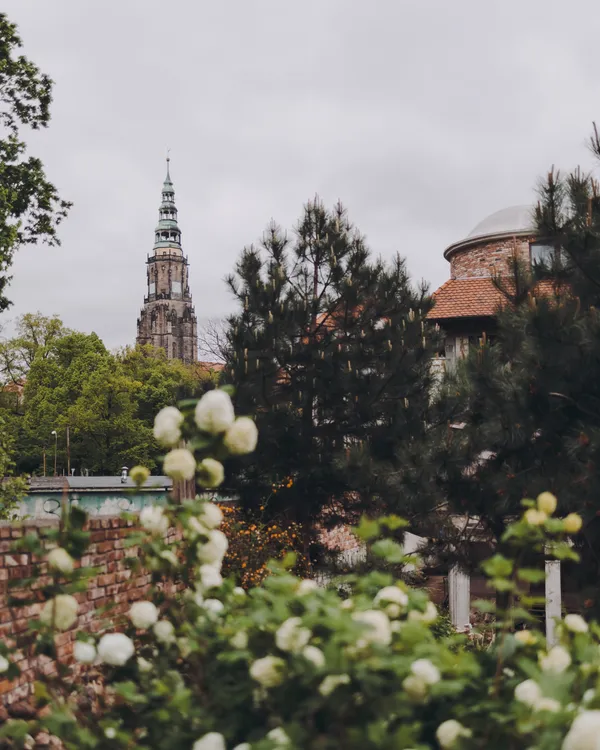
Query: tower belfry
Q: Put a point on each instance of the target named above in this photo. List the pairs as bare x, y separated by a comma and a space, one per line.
168, 319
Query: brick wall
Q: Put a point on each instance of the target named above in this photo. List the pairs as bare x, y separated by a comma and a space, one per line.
115, 584
485, 259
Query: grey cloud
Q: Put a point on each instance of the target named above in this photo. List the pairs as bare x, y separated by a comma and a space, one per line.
421, 116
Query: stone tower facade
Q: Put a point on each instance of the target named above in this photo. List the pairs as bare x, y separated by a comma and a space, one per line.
168, 320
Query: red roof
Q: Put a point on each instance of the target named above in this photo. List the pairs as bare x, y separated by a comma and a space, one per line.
472, 298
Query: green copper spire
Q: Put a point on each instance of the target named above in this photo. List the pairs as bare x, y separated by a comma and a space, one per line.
167, 232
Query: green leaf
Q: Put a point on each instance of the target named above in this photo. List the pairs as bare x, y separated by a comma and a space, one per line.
498, 566
388, 550
393, 522
531, 575
367, 529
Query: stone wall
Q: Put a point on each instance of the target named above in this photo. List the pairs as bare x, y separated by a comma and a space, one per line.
488, 258
115, 584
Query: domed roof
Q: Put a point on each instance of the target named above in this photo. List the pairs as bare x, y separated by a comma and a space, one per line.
514, 220
511, 220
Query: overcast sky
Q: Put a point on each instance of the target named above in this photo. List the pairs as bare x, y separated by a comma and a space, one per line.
422, 116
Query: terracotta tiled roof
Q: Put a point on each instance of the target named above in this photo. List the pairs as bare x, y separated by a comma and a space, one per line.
472, 298
210, 366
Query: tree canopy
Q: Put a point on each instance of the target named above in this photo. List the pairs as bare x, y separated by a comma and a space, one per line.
330, 350
30, 207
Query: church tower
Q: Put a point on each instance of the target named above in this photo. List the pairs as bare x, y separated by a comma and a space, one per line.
168, 320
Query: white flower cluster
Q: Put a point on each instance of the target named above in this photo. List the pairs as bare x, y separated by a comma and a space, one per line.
423, 674
530, 693
215, 415
378, 628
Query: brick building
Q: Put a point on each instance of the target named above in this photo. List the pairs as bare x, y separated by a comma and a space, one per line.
466, 304
168, 319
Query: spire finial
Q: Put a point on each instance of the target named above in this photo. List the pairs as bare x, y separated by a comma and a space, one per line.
168, 161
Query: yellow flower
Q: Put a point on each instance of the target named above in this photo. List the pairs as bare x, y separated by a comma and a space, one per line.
526, 637
572, 523
546, 502
535, 517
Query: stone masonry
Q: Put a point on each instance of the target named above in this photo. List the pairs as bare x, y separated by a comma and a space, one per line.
168, 320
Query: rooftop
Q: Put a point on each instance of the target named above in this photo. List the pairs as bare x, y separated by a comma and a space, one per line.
91, 484
508, 222
473, 298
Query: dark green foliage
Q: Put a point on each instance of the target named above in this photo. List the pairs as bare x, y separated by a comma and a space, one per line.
30, 208
331, 352
529, 405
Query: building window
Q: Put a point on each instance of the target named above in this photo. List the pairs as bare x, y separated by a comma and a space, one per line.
152, 288
169, 327
540, 253
176, 287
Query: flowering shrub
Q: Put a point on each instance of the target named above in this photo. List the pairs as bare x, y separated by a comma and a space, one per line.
253, 543
203, 665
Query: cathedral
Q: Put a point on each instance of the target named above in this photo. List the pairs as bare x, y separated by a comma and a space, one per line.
168, 320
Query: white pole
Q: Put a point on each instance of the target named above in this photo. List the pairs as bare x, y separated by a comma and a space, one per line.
553, 599
459, 590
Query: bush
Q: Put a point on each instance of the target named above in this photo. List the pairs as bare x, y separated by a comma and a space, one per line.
202, 664
254, 542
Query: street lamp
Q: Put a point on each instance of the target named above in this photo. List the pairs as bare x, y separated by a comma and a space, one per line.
55, 448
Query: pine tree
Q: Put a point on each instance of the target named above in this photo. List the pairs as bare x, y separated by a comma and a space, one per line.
331, 352
529, 405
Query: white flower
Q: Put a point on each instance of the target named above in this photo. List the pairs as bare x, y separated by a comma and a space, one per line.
214, 550
332, 681
239, 592
556, 660
305, 586
588, 696
60, 612
268, 671
211, 515
378, 630
584, 732
449, 732
143, 615
291, 636
110, 733
240, 639
528, 692
243, 746
576, 624
164, 631
180, 463
314, 655
210, 577
210, 472
170, 557
4, 664
115, 649
59, 559
214, 412
198, 527
547, 704
429, 616
153, 519
210, 741
167, 425
392, 594
427, 671
213, 605
347, 604
84, 653
143, 664
416, 687
241, 437
279, 737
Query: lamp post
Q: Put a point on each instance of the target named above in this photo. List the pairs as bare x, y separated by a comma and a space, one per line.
55, 448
